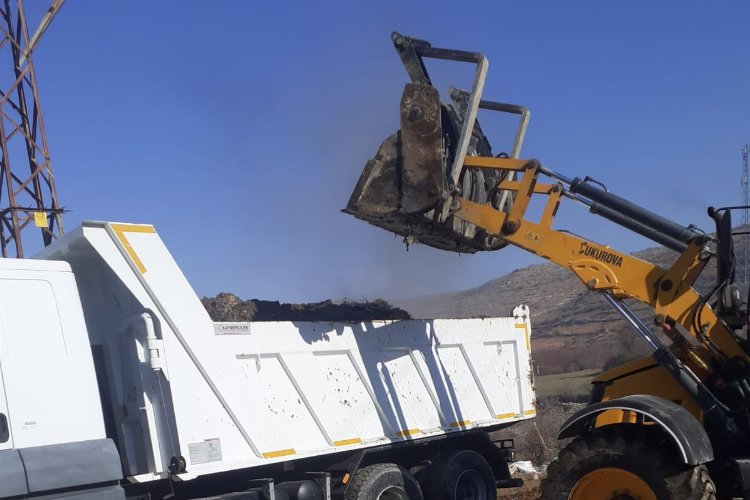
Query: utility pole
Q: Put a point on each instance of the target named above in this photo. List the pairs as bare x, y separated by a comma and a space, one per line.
745, 211
27, 185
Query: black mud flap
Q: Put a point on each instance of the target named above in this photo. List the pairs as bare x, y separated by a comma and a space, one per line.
742, 470
682, 428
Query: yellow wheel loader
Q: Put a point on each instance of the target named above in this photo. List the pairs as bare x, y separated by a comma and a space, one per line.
673, 425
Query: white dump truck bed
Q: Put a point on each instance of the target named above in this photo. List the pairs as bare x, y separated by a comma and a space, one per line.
233, 395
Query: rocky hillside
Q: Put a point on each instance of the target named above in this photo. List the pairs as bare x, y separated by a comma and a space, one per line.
573, 329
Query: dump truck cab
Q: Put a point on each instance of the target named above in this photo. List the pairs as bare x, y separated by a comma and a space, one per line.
52, 433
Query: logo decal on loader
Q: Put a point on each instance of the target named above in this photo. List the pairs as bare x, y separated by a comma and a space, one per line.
600, 254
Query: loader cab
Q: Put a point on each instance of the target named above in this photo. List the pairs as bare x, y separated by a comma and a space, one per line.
731, 290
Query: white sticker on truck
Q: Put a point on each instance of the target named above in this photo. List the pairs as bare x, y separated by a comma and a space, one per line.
205, 451
232, 328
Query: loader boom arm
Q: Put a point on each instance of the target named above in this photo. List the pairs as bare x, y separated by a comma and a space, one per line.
436, 181
703, 346
599, 267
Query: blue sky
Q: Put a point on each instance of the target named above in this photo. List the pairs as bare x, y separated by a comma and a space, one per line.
239, 128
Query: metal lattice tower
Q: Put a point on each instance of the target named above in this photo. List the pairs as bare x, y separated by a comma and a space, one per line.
745, 211
27, 186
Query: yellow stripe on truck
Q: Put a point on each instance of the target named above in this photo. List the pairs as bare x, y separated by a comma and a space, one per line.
526, 332
121, 229
408, 432
347, 442
279, 453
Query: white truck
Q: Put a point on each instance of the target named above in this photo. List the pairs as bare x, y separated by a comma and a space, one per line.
115, 383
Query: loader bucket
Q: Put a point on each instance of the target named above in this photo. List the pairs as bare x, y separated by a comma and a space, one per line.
410, 187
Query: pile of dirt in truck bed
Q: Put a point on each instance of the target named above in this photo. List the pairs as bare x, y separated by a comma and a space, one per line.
229, 307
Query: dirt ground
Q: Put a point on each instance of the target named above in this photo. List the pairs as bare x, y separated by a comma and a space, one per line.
529, 490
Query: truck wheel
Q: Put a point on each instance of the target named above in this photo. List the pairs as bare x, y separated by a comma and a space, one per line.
383, 482
623, 466
461, 475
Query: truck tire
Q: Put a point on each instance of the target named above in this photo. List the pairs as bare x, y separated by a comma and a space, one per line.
461, 475
623, 466
383, 482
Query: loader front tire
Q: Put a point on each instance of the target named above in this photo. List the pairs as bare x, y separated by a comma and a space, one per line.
383, 482
624, 466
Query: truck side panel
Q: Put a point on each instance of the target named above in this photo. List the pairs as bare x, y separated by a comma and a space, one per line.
228, 396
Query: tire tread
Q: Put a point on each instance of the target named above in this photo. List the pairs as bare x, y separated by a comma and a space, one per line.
358, 485
680, 482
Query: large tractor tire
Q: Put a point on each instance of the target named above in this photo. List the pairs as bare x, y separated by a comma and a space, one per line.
606, 465
383, 482
461, 475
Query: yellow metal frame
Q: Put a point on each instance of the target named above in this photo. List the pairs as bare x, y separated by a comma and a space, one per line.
600, 268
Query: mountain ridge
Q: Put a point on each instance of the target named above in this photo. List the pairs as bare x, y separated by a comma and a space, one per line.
572, 327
